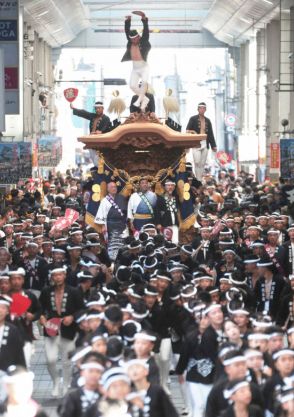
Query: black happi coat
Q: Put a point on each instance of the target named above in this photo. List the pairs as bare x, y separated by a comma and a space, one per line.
286, 256
194, 124
103, 125
210, 343
200, 368
76, 403
216, 403
11, 347
159, 402
206, 253
162, 213
253, 410
269, 390
72, 302
277, 287
36, 278
285, 316
25, 327
144, 43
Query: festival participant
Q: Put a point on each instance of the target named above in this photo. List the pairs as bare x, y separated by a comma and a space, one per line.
19, 388
251, 270
232, 332
287, 253
166, 210
213, 336
239, 394
74, 267
241, 318
204, 246
281, 224
284, 368
112, 216
143, 347
76, 236
99, 122
201, 125
36, 269
141, 206
137, 51
285, 315
4, 284
199, 368
96, 255
272, 248
59, 301
155, 401
8, 230
235, 368
47, 246
115, 387
85, 281
5, 259
11, 342
25, 322
160, 322
285, 401
150, 108
77, 401
269, 287
255, 363
73, 200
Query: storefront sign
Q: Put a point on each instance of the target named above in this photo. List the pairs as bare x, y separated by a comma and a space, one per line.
287, 158
275, 155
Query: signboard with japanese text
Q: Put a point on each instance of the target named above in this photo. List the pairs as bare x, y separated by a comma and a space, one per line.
15, 161
287, 158
8, 30
275, 156
49, 151
9, 42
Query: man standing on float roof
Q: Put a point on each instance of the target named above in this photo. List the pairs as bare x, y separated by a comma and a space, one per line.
137, 51
201, 125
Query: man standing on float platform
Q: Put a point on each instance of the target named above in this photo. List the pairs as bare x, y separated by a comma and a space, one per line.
201, 125
137, 51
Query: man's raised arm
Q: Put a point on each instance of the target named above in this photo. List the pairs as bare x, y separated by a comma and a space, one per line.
128, 26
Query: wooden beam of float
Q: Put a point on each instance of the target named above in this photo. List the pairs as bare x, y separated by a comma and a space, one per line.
142, 148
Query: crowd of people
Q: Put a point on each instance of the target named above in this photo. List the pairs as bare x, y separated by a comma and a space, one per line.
217, 312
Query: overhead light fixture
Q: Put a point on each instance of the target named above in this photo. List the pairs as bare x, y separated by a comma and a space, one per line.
268, 2
57, 30
244, 20
43, 13
231, 36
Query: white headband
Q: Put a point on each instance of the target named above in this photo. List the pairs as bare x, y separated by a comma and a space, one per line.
253, 354
228, 393
235, 359
211, 307
92, 365
144, 336
282, 352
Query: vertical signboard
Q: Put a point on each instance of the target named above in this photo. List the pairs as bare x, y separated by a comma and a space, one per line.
2, 94
287, 158
275, 156
9, 43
